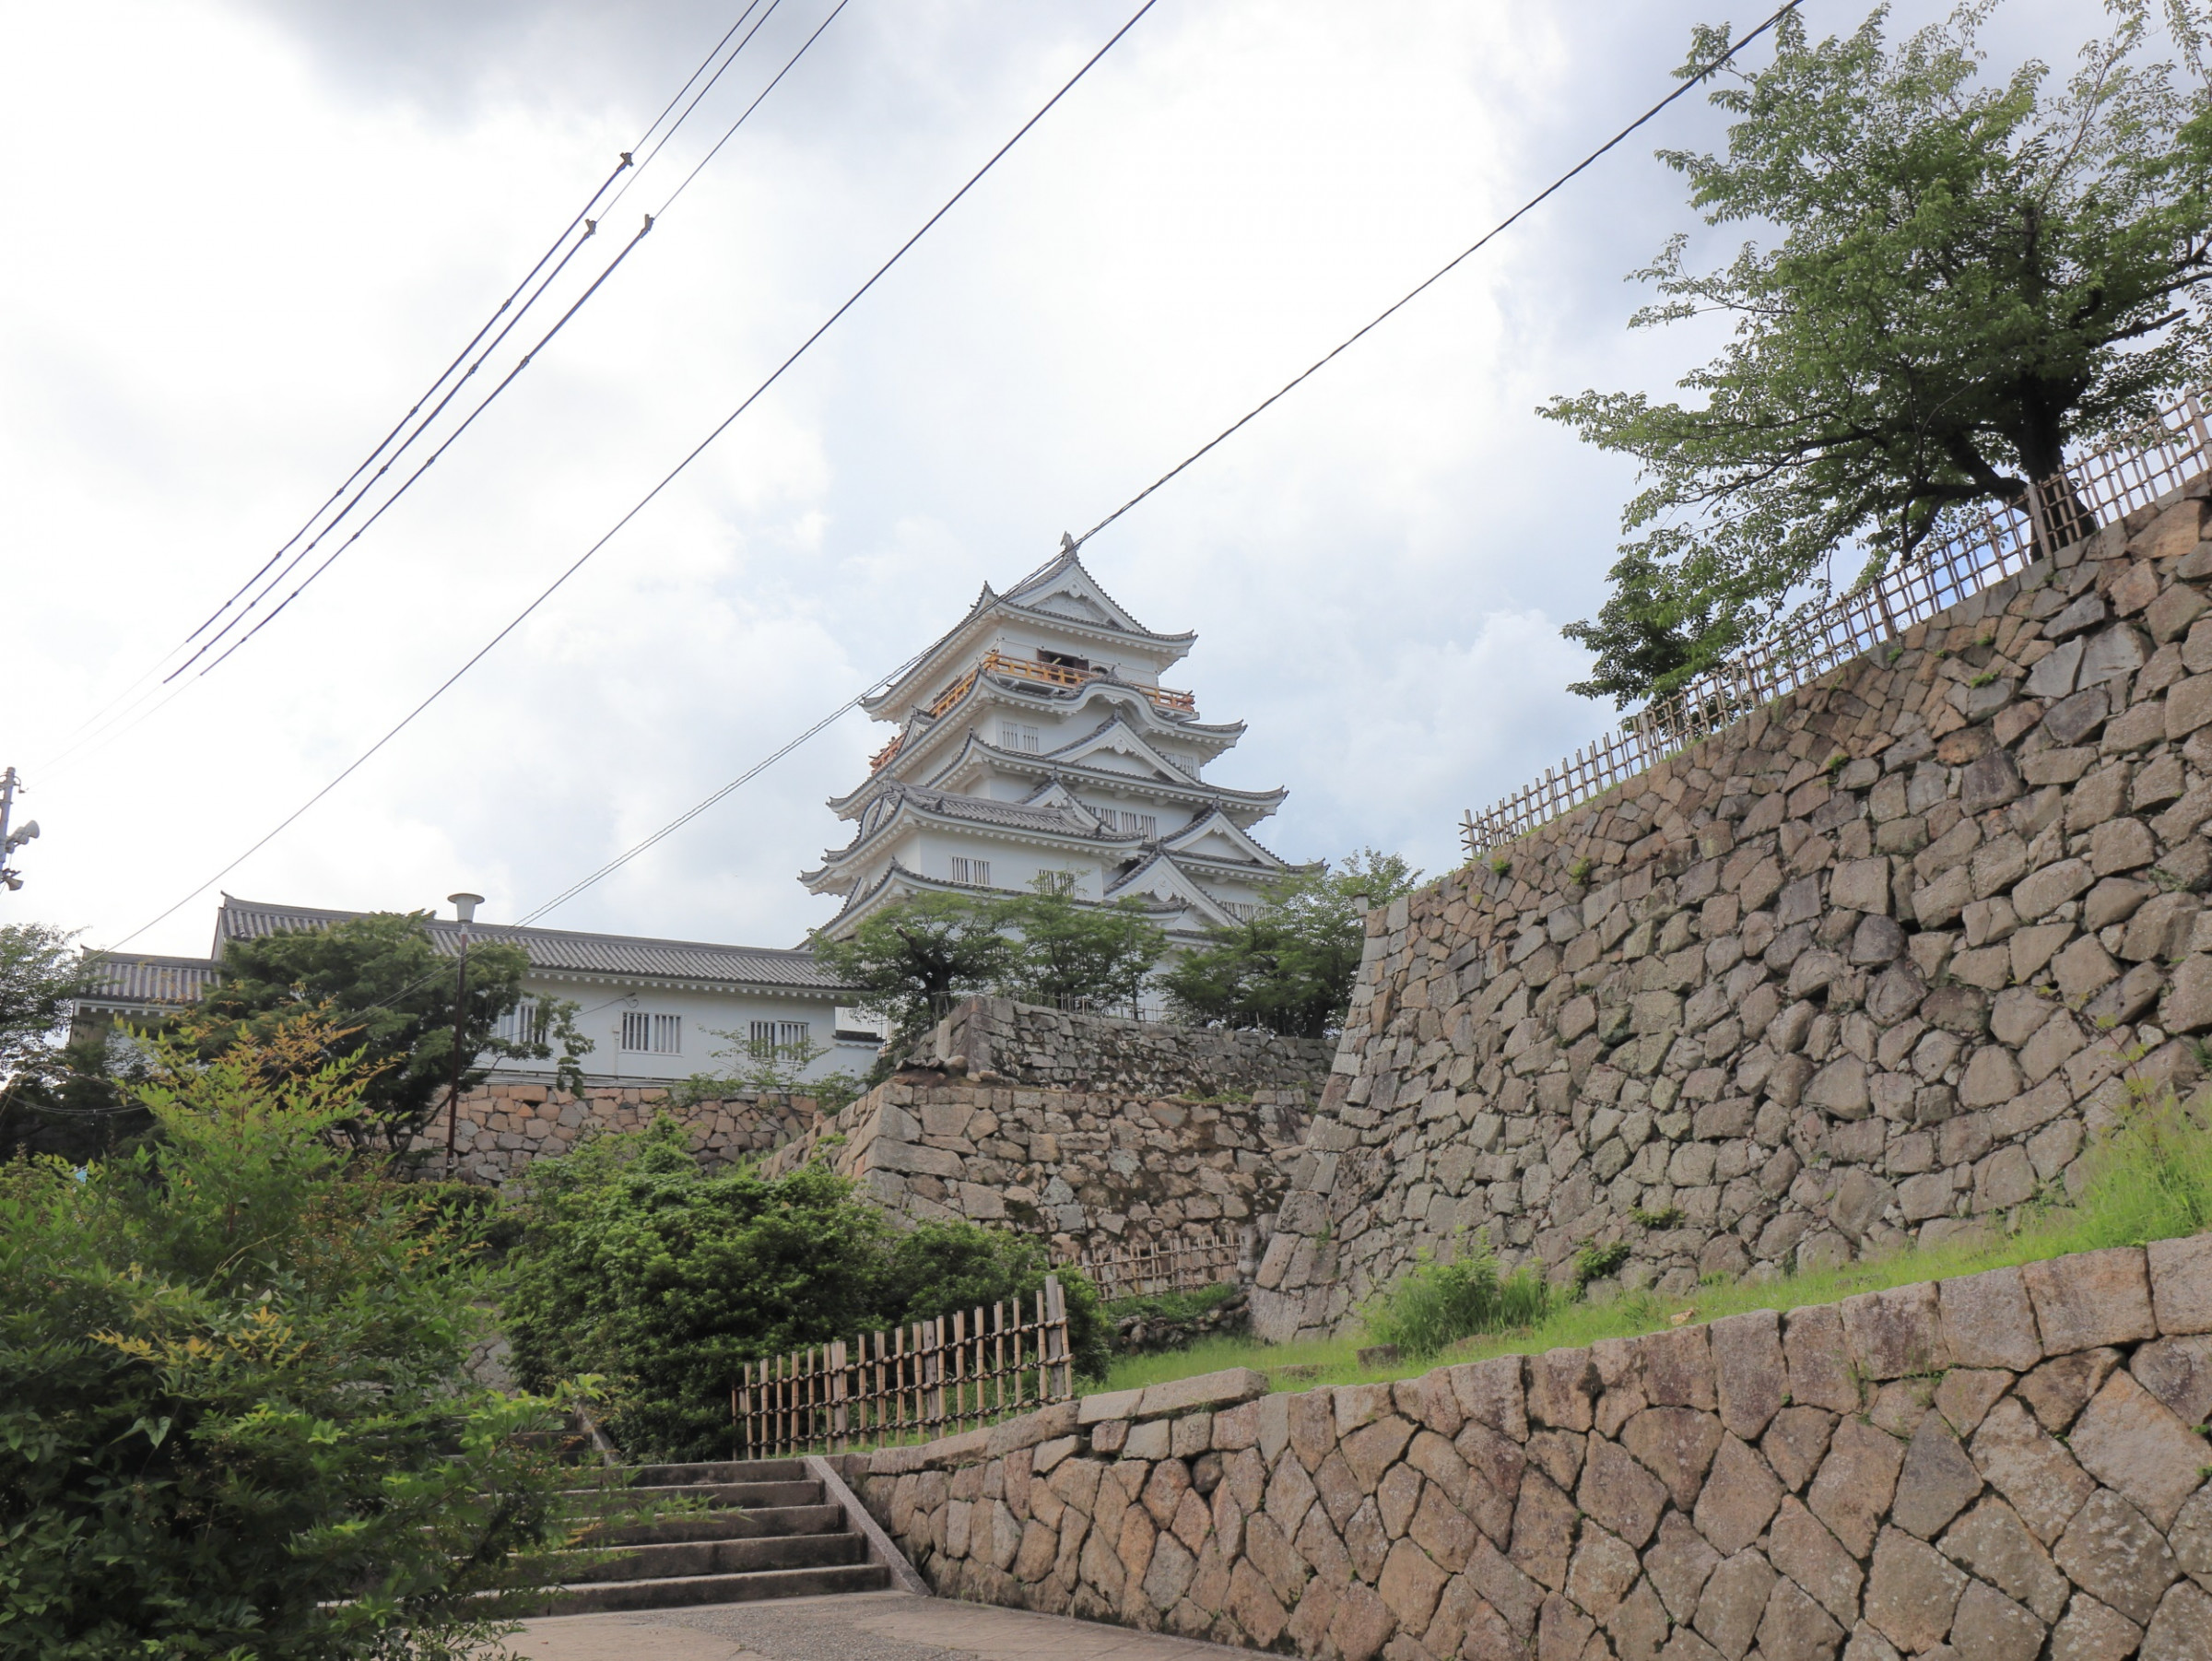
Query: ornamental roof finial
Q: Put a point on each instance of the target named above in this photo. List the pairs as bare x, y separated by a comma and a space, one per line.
1068, 543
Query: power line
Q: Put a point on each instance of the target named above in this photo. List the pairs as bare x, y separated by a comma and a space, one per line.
686, 818
668, 479
650, 221
1688, 83
101, 719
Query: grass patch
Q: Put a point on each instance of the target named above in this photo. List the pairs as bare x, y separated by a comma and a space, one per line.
2151, 1178
1174, 1306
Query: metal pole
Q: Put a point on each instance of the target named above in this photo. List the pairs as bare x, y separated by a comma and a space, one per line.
464, 905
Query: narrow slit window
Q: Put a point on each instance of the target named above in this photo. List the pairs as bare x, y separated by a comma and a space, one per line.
975, 872
1019, 736
1140, 824
645, 1033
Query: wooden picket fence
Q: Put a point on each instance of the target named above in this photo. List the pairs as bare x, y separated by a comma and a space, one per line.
1172, 1263
928, 1379
1977, 549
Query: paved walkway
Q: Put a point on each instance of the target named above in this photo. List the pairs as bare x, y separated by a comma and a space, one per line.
861, 1626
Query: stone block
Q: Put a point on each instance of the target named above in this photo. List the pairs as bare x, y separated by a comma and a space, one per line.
1739, 1496
1734, 1601
1749, 1371
1491, 1393
1856, 1480
1795, 1628
1990, 1541
1988, 1626
1676, 1444
1206, 1391
1936, 1482
1819, 1361
2091, 1298
1621, 1494
1895, 1332
1116, 1404
1912, 1591
2182, 1630
2061, 1387
2136, 1445
1988, 1320
2181, 1284
1801, 1547
2110, 1551
1678, 1563
2093, 1632
1561, 1387
2018, 1458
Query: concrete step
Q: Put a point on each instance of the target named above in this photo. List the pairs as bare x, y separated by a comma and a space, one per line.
725, 1524
726, 1471
584, 1597
749, 1496
683, 1560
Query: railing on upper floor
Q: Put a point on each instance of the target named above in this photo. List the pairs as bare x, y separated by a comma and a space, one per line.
1979, 549
1019, 669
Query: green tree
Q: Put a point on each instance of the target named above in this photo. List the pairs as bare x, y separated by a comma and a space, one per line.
1968, 279
910, 961
1068, 952
1290, 967
235, 1419
635, 1264
54, 1097
380, 982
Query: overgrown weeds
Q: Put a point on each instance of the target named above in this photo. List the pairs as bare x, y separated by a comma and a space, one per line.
1437, 1304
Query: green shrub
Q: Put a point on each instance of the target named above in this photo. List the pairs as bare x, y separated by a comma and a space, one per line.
235, 1420
2150, 1177
942, 1266
637, 1265
1437, 1304
1595, 1262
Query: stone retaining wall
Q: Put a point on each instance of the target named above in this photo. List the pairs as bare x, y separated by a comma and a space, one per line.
1001, 1041
1086, 1167
1999, 1467
501, 1128
1866, 967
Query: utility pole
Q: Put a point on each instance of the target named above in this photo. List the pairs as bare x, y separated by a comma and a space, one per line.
12, 840
464, 907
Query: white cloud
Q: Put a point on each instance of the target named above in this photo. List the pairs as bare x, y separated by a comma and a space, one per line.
246, 233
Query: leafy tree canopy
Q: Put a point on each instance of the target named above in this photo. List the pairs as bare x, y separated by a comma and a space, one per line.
1966, 278
379, 980
911, 961
1068, 952
237, 1419
1290, 967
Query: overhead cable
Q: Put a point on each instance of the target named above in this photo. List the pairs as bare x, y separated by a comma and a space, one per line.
668, 479
1688, 82
92, 728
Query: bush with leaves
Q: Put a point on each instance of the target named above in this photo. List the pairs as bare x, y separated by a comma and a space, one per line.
234, 1415
380, 980
1290, 967
1436, 1304
1960, 280
636, 1265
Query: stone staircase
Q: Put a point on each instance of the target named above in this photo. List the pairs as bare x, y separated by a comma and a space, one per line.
762, 1528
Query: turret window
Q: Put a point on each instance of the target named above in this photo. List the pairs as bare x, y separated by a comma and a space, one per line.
648, 1034
975, 872
1019, 735
1140, 824
772, 1035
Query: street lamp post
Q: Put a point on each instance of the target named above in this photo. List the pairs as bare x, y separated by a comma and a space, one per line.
464, 907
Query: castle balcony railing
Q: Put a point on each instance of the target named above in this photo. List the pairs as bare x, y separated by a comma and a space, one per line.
1978, 548
995, 662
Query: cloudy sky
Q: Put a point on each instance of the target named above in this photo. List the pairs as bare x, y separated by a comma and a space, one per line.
244, 234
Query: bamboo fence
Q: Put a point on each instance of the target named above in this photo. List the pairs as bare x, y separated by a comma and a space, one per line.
1172, 1263
1976, 551
919, 1381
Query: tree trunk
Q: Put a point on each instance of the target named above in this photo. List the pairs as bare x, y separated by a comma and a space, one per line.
2062, 517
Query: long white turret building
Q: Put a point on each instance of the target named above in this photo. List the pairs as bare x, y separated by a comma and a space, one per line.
1035, 737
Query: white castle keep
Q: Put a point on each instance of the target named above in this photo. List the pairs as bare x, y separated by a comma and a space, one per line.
1036, 743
